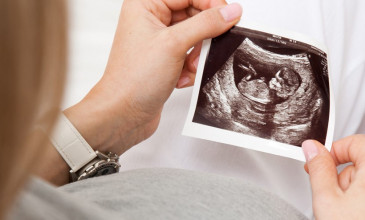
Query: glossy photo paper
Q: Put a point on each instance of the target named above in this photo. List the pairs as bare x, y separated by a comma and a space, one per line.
262, 89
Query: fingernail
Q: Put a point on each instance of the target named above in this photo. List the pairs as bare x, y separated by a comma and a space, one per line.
183, 82
231, 12
310, 150
196, 62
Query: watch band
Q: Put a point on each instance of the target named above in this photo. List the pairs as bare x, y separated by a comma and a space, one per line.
70, 144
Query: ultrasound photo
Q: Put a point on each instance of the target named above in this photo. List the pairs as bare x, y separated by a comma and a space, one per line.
266, 86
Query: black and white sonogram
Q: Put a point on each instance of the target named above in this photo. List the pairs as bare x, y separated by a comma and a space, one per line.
265, 85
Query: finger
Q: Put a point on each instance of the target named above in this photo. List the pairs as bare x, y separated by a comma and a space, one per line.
306, 168
346, 177
321, 167
207, 24
190, 68
191, 11
349, 149
192, 60
178, 16
176, 5
187, 79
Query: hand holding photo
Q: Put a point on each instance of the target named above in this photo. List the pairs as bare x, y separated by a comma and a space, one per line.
262, 90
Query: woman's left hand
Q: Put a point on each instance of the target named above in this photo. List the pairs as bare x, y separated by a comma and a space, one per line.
337, 196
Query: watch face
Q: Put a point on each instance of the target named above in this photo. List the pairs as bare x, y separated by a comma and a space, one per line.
104, 169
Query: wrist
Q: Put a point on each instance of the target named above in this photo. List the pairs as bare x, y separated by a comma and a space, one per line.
106, 124
78, 159
54, 168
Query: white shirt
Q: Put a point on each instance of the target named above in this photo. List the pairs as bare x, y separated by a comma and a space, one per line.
338, 24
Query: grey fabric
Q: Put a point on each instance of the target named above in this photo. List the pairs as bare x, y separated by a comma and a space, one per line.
41, 201
152, 194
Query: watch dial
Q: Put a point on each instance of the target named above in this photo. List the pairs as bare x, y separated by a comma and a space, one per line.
104, 170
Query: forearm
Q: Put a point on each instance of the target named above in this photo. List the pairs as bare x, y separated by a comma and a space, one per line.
98, 128
53, 169
107, 121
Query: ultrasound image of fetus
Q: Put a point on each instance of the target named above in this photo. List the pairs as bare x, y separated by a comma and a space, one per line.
265, 94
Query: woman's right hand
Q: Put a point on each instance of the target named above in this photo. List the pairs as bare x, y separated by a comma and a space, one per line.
147, 61
337, 196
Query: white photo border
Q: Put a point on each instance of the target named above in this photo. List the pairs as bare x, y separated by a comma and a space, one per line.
215, 134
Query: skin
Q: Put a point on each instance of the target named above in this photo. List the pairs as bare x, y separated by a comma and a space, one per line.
338, 196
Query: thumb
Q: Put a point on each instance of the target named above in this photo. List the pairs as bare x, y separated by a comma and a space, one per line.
321, 167
206, 24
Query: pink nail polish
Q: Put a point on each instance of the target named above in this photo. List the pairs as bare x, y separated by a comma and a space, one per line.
231, 12
183, 82
310, 150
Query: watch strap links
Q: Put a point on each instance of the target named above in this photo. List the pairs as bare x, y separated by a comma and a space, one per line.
70, 144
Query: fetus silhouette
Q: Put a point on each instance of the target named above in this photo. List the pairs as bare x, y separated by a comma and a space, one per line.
265, 94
